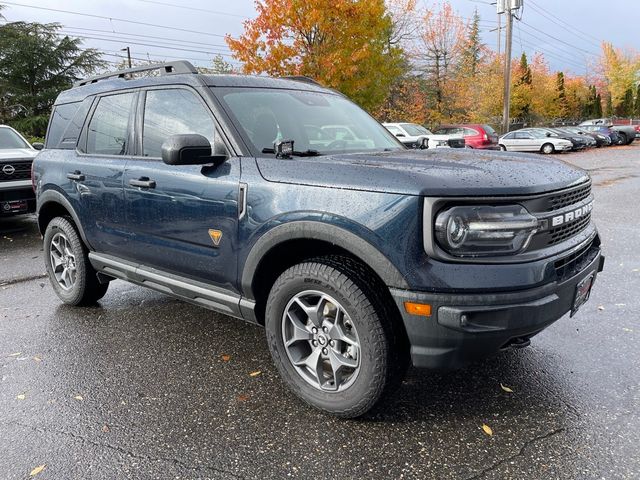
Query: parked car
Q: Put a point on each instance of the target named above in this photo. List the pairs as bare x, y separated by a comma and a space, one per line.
411, 135
588, 139
599, 139
578, 143
614, 136
16, 156
479, 136
533, 141
626, 132
356, 259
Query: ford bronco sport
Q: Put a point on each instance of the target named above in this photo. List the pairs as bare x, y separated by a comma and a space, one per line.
358, 255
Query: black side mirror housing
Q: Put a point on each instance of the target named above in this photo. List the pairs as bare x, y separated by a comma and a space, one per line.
189, 149
548, 134
422, 143
38, 145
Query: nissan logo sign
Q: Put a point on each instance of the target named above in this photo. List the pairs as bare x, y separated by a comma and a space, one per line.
8, 169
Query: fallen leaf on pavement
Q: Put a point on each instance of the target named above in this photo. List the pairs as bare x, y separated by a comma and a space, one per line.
225, 357
255, 374
22, 396
37, 470
487, 429
17, 354
243, 398
79, 398
600, 307
37, 359
506, 389
106, 429
627, 329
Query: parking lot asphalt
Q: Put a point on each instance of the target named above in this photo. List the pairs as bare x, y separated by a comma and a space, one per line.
144, 386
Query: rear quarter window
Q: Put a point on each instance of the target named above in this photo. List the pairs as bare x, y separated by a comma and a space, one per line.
61, 117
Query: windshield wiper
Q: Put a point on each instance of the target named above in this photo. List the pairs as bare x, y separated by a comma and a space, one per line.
295, 153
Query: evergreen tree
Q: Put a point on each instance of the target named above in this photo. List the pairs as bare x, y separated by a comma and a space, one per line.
636, 106
471, 55
525, 76
597, 112
608, 107
625, 109
563, 104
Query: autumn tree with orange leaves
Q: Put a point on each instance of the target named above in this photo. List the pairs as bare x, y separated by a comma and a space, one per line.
343, 44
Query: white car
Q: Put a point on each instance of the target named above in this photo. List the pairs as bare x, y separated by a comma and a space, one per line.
16, 156
533, 141
411, 133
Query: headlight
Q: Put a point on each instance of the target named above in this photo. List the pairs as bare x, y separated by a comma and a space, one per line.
483, 230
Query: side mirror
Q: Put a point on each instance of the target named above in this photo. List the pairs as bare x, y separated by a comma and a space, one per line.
548, 134
422, 143
400, 135
188, 149
38, 145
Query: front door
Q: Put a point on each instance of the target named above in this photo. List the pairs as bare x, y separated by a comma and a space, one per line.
182, 219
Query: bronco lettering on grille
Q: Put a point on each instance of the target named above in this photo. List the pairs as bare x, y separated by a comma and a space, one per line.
572, 215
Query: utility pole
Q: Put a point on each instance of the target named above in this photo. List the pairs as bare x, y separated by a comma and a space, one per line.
507, 73
128, 50
507, 7
499, 35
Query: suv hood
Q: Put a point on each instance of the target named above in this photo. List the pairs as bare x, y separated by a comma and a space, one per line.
441, 172
17, 153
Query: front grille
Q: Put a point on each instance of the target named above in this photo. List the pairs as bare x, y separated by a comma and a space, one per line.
22, 170
556, 202
568, 266
560, 234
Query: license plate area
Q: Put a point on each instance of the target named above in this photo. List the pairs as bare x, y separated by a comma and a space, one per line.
14, 206
583, 291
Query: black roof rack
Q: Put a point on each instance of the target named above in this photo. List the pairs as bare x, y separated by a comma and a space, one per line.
169, 68
302, 78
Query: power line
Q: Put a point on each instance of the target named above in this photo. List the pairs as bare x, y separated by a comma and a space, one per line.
533, 4
559, 49
215, 12
557, 39
104, 17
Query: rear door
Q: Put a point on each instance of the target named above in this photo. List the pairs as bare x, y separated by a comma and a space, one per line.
182, 219
94, 171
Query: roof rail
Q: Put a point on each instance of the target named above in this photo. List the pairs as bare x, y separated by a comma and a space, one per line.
302, 78
169, 68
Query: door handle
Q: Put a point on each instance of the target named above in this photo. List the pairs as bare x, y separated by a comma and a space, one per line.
76, 175
142, 182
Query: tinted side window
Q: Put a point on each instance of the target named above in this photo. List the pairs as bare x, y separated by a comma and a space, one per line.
60, 119
108, 131
470, 132
173, 112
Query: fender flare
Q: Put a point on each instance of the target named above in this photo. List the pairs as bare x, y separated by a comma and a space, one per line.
53, 196
311, 230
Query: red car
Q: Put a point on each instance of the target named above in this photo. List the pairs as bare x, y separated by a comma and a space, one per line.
475, 135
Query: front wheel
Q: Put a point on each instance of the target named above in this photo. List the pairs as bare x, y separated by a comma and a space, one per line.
503, 148
66, 259
548, 148
330, 336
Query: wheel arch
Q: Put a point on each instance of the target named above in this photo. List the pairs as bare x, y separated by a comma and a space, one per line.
52, 204
291, 243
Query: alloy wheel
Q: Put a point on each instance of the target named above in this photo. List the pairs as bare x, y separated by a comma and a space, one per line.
321, 341
63, 261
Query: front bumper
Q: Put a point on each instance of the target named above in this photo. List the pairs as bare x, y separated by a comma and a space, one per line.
468, 327
17, 198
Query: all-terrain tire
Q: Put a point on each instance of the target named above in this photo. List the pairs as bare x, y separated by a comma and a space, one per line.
384, 357
85, 288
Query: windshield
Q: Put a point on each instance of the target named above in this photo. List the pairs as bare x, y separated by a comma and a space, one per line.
489, 129
415, 130
10, 139
316, 122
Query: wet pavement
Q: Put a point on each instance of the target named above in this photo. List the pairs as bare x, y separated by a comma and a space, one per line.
144, 386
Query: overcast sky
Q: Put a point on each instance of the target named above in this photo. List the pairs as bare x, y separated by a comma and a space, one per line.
568, 32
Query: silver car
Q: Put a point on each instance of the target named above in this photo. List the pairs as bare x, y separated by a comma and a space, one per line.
533, 141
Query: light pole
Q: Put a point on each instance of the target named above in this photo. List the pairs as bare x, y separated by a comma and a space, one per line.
128, 50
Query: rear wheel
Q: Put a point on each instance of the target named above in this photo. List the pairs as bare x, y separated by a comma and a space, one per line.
623, 138
547, 148
66, 259
330, 335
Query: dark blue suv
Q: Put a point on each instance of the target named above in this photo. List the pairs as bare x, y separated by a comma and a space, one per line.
282, 203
